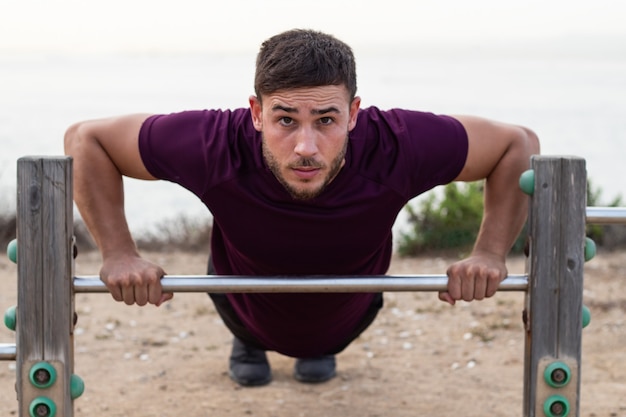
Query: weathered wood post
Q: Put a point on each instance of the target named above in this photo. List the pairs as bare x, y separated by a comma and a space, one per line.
553, 312
45, 308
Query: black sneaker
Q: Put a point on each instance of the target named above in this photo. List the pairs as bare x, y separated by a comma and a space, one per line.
248, 366
315, 370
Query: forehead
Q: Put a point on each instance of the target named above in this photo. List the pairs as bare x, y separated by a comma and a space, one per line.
308, 97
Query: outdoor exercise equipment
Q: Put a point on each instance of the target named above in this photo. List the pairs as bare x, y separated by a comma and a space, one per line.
554, 315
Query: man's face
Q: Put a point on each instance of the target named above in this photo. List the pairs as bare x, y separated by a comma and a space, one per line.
305, 135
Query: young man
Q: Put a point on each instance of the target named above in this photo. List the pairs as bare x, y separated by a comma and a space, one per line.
304, 182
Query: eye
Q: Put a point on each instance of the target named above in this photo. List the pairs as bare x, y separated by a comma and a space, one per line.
285, 121
326, 120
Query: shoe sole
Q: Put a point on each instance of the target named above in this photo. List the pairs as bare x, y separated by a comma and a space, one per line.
309, 380
250, 383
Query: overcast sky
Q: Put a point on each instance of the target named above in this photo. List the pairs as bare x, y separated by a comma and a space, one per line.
159, 25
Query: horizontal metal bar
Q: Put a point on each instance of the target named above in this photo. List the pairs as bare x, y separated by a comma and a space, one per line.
7, 352
248, 284
606, 215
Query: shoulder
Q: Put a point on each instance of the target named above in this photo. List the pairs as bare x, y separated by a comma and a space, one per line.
192, 121
399, 123
414, 148
406, 127
217, 143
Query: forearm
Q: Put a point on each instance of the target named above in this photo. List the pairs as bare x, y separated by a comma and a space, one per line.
505, 205
98, 192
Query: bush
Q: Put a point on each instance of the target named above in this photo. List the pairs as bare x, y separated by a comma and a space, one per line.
451, 222
181, 233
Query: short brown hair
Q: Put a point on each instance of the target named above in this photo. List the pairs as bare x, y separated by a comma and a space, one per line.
304, 58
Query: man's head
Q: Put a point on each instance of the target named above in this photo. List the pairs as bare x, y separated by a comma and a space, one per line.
305, 107
304, 58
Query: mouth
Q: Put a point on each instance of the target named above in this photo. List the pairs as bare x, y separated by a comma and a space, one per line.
305, 173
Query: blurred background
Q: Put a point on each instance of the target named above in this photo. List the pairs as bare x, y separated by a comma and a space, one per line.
558, 67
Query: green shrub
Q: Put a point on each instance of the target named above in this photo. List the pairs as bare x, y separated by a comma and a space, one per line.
452, 220
449, 222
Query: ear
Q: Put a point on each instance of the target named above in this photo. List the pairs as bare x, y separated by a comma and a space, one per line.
256, 111
354, 112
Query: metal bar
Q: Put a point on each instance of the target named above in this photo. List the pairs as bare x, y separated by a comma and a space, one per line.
248, 284
7, 352
606, 215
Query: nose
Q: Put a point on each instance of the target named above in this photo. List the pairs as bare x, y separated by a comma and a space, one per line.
306, 142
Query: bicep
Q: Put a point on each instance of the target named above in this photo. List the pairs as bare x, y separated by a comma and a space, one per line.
488, 142
118, 138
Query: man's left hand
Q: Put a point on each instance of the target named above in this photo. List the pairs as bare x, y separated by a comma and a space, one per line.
474, 278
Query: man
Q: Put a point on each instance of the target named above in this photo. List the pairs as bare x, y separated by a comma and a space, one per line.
304, 182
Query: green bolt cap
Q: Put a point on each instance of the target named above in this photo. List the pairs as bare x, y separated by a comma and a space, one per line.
590, 249
557, 374
12, 251
42, 375
10, 318
586, 316
527, 181
42, 407
556, 406
77, 386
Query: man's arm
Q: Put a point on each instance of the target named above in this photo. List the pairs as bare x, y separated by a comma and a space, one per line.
104, 151
498, 153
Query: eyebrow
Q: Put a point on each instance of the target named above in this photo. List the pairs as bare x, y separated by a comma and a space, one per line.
331, 109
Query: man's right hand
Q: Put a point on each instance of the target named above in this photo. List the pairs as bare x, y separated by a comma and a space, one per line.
132, 279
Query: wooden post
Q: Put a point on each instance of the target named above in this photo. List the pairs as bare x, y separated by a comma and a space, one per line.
45, 308
553, 313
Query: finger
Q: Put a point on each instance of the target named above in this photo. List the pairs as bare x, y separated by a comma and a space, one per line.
467, 286
492, 285
444, 296
155, 293
128, 295
166, 296
480, 287
116, 292
454, 286
141, 295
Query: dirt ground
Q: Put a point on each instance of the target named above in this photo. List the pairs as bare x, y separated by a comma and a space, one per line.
420, 358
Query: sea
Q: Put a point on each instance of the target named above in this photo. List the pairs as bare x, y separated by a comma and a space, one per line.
575, 101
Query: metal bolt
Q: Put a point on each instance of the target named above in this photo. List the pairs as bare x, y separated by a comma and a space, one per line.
557, 408
42, 410
42, 376
558, 375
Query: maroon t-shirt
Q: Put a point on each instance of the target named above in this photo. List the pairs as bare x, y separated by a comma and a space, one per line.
259, 229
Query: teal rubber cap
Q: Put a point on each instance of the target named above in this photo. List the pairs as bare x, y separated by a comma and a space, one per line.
590, 249
527, 181
12, 251
42, 375
557, 374
77, 386
42, 407
10, 318
586, 316
556, 406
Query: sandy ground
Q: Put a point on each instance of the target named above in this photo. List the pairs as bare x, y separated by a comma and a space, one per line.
420, 358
